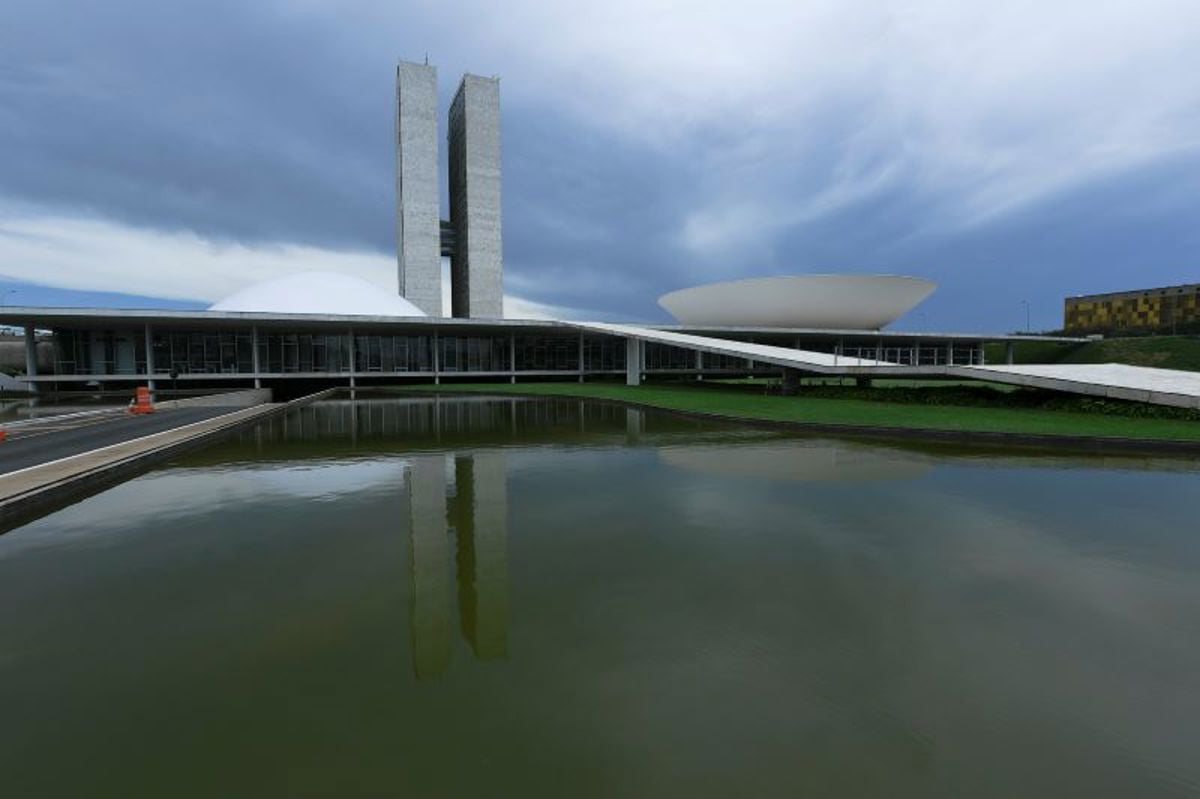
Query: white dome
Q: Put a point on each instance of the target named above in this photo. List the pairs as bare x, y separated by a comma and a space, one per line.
317, 293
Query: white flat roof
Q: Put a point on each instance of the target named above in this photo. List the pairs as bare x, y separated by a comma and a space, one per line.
20, 316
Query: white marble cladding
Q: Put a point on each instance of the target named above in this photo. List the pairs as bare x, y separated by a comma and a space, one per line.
477, 268
418, 212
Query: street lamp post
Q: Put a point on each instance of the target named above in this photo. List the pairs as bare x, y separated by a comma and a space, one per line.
1026, 304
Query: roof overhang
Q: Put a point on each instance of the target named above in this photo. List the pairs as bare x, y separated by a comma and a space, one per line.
67, 318
119, 317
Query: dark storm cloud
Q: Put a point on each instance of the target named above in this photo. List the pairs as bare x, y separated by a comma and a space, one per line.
241, 124
211, 117
268, 123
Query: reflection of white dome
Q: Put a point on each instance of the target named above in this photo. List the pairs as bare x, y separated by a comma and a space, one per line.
790, 460
317, 293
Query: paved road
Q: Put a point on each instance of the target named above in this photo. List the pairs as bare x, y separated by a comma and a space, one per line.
20, 452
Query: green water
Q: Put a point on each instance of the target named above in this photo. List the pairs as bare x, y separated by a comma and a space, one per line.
558, 598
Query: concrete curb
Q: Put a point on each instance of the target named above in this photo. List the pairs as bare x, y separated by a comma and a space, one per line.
56, 492
231, 399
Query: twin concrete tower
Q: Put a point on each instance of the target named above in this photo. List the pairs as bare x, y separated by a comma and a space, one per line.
472, 237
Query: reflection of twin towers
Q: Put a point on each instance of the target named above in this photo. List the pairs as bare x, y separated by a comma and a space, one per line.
474, 510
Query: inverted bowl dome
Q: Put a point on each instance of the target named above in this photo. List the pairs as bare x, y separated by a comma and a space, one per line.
838, 302
317, 293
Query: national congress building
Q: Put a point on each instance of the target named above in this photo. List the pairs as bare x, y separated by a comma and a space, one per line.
303, 329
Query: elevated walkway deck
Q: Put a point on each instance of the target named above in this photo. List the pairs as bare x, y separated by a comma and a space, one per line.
1117, 381
806, 360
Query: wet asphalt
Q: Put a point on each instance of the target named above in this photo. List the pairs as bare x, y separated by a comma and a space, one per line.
23, 450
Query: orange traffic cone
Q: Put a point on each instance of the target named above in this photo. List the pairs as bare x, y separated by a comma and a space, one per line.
142, 404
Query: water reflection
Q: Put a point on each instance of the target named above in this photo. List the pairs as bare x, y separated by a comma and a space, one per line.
390, 424
430, 541
796, 461
479, 513
701, 610
471, 511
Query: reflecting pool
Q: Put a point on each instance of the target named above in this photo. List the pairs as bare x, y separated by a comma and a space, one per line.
511, 597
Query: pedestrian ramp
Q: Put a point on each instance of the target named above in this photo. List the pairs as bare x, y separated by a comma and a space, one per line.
1112, 380
806, 360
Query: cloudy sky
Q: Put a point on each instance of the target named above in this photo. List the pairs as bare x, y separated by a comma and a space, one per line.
1013, 151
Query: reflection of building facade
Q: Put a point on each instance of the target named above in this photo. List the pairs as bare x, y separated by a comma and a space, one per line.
479, 514
1164, 310
431, 608
474, 510
802, 462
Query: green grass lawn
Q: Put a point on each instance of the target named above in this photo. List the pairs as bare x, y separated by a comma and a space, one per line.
738, 402
878, 382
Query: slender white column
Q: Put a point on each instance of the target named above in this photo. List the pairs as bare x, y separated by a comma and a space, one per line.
254, 364
30, 351
580, 357
31, 355
633, 362
150, 359
437, 355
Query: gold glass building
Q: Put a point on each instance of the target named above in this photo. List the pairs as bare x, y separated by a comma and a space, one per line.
1171, 309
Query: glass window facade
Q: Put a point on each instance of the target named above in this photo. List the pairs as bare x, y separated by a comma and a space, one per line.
290, 353
283, 352
603, 354
100, 352
195, 352
664, 356
718, 362
547, 353
385, 353
474, 353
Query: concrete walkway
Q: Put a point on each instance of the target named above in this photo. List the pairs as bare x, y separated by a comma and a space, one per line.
1118, 381
807, 360
1115, 380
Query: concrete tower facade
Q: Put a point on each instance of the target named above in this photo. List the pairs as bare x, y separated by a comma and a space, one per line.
471, 237
477, 263
418, 204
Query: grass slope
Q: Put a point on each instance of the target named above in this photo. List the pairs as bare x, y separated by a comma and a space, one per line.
1163, 352
734, 402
